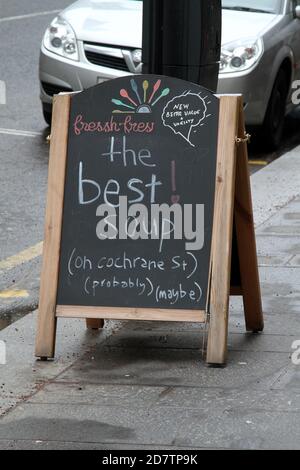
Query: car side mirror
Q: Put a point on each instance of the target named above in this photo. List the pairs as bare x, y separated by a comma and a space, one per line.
297, 12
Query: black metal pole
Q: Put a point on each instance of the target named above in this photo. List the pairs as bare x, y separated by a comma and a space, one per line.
182, 38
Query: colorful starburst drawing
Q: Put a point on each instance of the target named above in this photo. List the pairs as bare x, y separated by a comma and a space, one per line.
140, 101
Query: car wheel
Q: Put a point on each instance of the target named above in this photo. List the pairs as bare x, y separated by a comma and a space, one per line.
47, 115
274, 121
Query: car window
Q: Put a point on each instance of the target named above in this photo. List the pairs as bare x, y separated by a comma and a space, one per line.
264, 6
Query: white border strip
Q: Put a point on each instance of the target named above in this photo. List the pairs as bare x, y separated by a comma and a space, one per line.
30, 15
20, 133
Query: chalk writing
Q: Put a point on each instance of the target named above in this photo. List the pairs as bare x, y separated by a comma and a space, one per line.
128, 126
184, 113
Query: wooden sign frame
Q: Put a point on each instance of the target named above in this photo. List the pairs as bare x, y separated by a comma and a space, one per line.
233, 205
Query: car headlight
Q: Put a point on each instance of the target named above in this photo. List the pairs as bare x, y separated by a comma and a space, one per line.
241, 55
60, 39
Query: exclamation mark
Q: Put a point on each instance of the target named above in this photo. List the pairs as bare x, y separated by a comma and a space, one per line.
175, 198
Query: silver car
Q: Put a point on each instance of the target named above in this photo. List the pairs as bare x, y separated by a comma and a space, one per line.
96, 40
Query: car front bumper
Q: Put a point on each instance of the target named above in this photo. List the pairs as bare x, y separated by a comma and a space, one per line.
60, 74
63, 74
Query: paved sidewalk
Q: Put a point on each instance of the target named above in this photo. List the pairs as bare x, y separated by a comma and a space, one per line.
145, 385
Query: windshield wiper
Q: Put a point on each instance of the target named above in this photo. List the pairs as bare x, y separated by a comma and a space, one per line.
252, 10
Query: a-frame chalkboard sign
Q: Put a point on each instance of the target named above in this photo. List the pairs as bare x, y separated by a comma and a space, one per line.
149, 212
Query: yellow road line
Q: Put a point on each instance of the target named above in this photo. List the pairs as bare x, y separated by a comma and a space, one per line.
13, 294
22, 257
258, 162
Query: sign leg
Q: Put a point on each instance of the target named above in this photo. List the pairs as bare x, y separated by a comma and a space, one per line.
222, 230
246, 240
46, 332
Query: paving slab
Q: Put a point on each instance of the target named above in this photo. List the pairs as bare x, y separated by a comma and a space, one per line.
275, 186
172, 367
278, 241
281, 290
276, 250
239, 428
135, 396
193, 340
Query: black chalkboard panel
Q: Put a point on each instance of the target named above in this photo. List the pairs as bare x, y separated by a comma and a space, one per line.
153, 140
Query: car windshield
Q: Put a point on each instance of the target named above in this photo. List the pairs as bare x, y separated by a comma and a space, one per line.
263, 6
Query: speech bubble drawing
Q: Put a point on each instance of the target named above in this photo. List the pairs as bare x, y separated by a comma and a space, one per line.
184, 113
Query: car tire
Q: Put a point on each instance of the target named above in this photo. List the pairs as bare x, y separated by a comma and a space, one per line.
47, 115
275, 116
